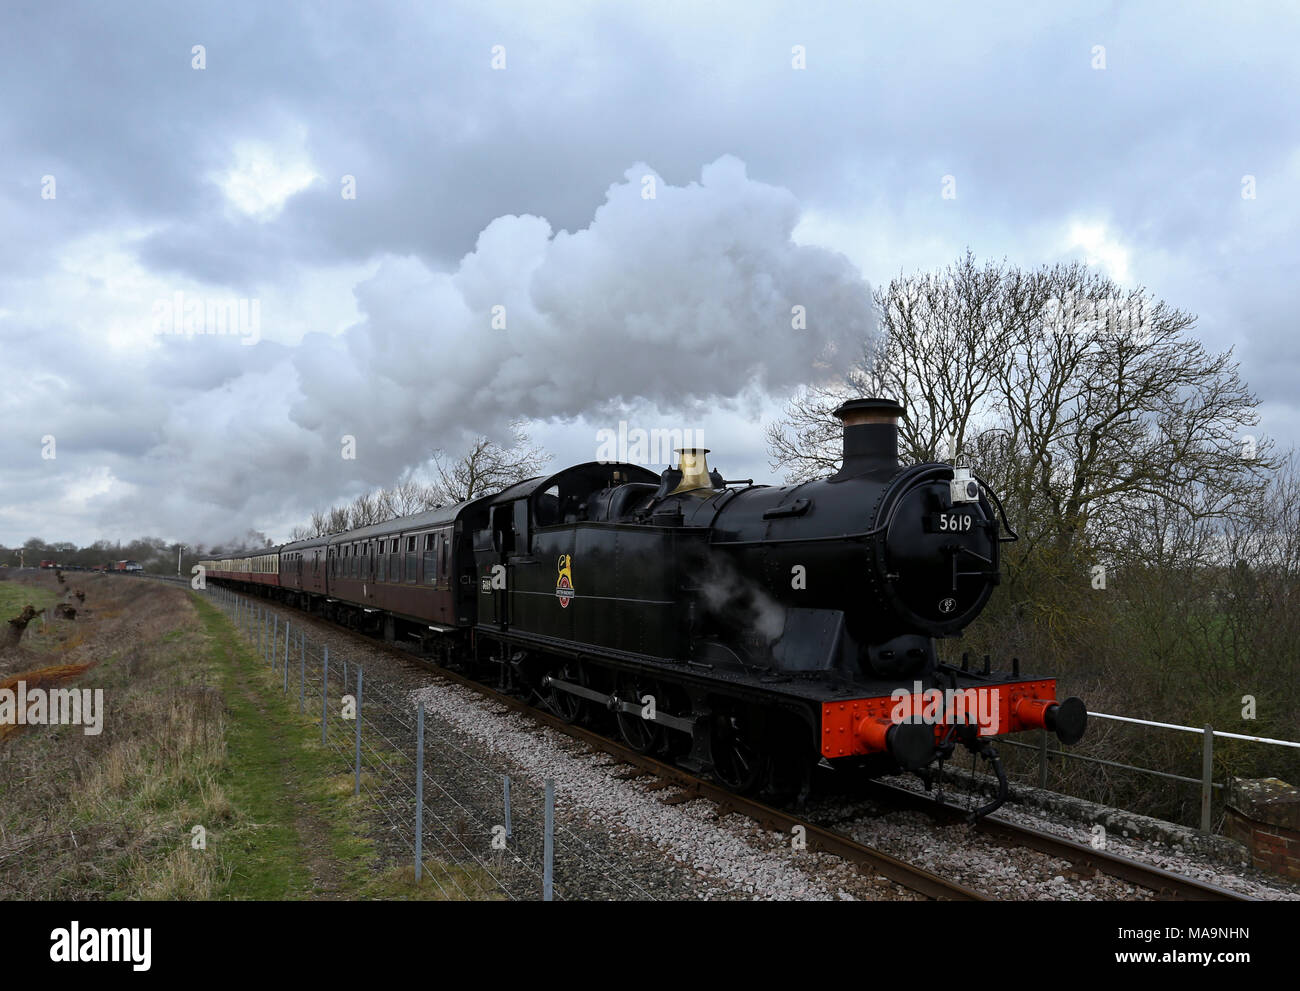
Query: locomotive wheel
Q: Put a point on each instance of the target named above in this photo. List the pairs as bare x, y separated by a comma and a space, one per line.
738, 759
568, 707
788, 777
639, 733
789, 767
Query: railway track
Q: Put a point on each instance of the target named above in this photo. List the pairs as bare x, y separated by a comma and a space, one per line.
689, 787
1166, 884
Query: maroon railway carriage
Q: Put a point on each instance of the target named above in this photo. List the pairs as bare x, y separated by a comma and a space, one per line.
302, 570
416, 572
419, 569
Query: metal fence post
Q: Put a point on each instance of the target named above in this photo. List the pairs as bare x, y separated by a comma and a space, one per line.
275, 640
302, 682
506, 780
419, 789
548, 847
1042, 759
324, 695
357, 790
1207, 777
286, 657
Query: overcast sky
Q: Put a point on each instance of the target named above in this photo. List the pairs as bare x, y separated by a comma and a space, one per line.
441, 216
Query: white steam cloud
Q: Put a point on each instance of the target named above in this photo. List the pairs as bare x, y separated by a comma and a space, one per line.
673, 302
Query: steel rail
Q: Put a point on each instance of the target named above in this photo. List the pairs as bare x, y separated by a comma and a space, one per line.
692, 787
1166, 884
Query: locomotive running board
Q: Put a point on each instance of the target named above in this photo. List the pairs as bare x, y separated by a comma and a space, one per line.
611, 703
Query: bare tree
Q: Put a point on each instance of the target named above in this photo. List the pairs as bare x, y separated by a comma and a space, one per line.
807, 442
366, 509
1080, 400
337, 520
408, 497
486, 467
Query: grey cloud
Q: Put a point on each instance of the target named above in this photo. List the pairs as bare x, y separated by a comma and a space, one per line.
449, 155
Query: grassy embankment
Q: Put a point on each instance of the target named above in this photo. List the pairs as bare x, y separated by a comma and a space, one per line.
195, 734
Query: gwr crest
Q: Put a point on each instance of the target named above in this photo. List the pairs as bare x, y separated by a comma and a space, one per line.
564, 583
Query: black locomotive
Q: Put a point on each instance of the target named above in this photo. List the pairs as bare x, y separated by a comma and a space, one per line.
748, 631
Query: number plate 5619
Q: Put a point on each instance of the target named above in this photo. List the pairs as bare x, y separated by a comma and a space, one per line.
951, 522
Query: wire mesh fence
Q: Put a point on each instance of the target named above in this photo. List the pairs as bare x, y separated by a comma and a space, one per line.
1191, 778
472, 827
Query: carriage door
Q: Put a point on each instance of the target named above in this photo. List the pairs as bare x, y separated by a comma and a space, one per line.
503, 543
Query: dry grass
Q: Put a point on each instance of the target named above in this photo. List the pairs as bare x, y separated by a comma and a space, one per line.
110, 815
195, 732
43, 679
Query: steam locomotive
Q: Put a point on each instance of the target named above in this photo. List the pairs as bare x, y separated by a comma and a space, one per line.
751, 632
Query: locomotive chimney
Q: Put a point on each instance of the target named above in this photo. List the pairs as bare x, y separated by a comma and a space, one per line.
870, 437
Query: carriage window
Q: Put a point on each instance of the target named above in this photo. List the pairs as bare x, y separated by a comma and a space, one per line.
428, 541
410, 544
444, 567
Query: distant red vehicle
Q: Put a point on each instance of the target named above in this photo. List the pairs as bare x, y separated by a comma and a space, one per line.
48, 564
